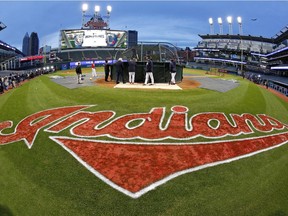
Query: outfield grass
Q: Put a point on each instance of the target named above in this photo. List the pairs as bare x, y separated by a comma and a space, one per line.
46, 180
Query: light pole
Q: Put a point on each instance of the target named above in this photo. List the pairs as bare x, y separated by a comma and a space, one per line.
229, 20
239, 20
96, 14
84, 9
220, 25
211, 26
97, 10
109, 9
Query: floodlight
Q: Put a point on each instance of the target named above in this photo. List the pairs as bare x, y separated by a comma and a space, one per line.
109, 9
97, 8
84, 7
239, 19
220, 25
229, 19
210, 21
219, 20
211, 26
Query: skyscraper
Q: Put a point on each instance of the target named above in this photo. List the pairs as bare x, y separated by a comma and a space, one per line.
25, 44
33, 44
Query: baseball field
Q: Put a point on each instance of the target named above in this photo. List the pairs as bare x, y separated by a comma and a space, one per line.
99, 150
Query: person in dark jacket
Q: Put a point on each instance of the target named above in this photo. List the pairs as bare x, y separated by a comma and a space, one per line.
172, 68
120, 71
1, 86
149, 71
78, 72
132, 70
107, 70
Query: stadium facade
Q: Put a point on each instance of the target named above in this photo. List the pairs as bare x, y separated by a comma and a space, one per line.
9, 56
245, 52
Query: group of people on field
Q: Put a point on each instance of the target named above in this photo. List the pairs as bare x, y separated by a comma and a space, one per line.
132, 63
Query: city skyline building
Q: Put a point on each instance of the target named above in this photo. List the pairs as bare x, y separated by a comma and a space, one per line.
30, 45
33, 44
25, 44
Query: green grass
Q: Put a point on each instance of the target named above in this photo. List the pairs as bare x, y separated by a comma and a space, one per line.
46, 180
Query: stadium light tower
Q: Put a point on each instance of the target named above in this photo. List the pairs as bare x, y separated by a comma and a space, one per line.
84, 9
96, 20
211, 26
97, 10
229, 20
109, 9
220, 25
239, 20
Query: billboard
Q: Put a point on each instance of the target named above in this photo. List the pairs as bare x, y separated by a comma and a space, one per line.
89, 63
83, 38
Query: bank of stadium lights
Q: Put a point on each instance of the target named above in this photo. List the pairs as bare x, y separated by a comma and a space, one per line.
84, 9
229, 20
211, 26
109, 9
97, 11
239, 20
220, 22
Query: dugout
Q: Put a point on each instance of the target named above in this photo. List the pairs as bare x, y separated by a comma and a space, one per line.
160, 71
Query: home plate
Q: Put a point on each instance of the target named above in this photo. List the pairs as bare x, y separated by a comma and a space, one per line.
141, 86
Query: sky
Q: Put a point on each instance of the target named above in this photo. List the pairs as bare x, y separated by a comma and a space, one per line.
176, 22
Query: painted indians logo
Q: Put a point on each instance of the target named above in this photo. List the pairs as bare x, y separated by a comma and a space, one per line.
137, 152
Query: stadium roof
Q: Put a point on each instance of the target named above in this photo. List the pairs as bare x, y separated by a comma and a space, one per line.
278, 38
238, 37
7, 51
7, 47
282, 35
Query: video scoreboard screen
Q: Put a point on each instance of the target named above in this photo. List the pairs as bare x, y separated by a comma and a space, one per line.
82, 38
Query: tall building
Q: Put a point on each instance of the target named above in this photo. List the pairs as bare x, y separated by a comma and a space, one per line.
33, 44
25, 44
